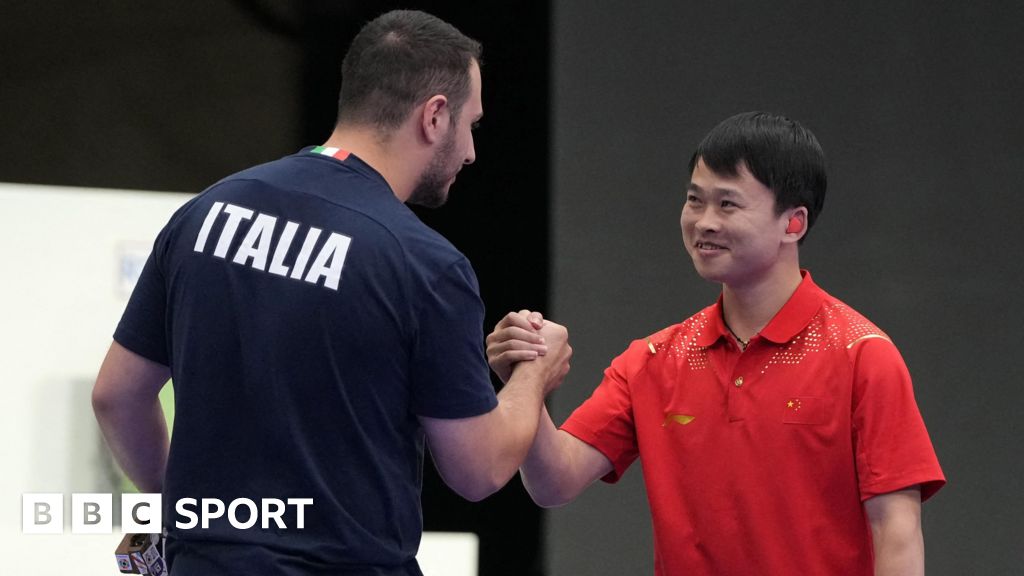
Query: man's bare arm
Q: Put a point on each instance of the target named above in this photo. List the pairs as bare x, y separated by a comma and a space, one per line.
477, 456
125, 400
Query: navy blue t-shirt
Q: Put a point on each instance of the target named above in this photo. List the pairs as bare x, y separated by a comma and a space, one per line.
308, 317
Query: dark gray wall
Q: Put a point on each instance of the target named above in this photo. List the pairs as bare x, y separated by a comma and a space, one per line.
918, 108
144, 95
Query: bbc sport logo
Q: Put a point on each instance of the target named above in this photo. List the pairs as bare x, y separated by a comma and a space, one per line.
92, 513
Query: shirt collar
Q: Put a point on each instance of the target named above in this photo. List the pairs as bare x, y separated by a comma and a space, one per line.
796, 313
793, 317
347, 158
716, 326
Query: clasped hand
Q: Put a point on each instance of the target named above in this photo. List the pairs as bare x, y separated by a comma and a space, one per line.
525, 340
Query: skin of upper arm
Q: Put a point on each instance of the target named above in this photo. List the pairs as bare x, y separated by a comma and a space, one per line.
459, 447
126, 376
900, 509
895, 520
450, 437
126, 405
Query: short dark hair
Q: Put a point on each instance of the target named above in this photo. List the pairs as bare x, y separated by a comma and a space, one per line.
778, 151
397, 61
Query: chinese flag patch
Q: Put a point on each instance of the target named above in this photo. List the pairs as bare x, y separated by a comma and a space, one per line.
806, 410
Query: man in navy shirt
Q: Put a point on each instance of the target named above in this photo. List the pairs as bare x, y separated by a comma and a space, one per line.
318, 333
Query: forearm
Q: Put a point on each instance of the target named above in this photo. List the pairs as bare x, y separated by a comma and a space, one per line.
559, 466
136, 432
477, 456
542, 477
520, 405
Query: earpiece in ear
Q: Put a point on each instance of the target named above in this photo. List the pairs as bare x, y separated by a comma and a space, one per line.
794, 226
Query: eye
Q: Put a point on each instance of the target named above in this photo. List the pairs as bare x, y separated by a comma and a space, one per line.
729, 204
474, 125
692, 199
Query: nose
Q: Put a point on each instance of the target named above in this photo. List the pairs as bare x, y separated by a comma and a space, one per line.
471, 152
707, 221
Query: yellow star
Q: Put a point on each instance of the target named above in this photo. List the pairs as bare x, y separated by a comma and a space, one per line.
789, 404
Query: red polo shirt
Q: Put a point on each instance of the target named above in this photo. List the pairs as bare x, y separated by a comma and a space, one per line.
757, 461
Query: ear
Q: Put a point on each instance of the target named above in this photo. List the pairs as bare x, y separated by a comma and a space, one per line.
796, 223
435, 118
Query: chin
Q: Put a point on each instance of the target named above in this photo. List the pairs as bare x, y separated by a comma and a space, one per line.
432, 200
709, 274
711, 278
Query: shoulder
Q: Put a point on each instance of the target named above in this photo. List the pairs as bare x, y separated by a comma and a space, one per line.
687, 343
866, 349
843, 327
682, 338
672, 342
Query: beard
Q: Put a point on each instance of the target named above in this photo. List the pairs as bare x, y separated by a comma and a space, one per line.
432, 189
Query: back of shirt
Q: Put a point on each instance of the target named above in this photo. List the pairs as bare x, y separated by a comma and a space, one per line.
308, 317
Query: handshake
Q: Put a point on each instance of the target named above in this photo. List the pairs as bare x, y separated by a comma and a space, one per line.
525, 342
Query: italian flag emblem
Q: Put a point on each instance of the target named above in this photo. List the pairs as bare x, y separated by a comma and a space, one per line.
330, 151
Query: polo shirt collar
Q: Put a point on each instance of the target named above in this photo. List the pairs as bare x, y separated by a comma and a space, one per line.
793, 317
716, 329
796, 313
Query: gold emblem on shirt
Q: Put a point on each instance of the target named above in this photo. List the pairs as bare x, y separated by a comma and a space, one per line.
683, 419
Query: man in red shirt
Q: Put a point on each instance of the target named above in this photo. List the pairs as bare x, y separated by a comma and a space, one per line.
777, 428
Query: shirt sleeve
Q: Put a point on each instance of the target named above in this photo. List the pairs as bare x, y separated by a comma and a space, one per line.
892, 447
605, 420
450, 376
143, 326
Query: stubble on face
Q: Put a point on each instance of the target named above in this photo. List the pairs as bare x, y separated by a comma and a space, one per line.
431, 191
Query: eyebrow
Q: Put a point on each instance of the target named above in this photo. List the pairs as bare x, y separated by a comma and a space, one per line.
722, 191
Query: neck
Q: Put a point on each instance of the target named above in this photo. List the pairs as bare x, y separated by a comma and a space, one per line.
748, 309
384, 154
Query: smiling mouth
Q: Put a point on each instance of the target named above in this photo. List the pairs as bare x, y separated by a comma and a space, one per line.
708, 246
